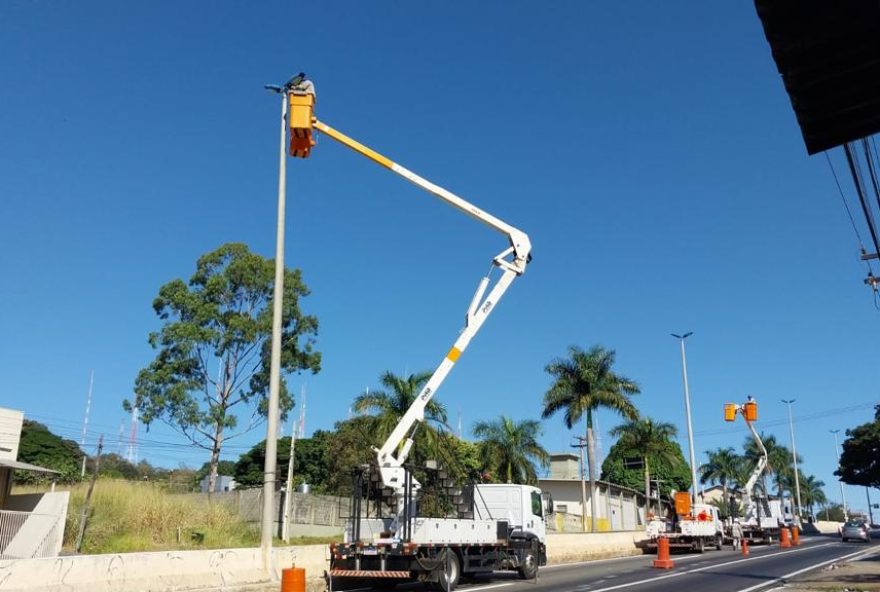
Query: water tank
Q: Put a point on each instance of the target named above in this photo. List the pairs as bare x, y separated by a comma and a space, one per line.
304, 488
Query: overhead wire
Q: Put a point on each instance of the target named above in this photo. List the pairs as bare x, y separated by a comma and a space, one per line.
860, 191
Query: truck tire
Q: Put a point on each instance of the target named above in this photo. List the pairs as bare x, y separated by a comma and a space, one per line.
528, 569
700, 545
450, 573
719, 542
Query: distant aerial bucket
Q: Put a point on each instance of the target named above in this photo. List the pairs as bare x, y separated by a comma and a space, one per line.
750, 411
730, 412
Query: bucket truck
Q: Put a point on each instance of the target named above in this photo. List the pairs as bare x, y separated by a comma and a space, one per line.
504, 527
761, 517
694, 527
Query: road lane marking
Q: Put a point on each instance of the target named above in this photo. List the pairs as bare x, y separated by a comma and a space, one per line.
489, 587
806, 569
708, 567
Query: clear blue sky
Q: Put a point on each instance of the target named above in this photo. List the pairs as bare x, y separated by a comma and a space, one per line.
650, 151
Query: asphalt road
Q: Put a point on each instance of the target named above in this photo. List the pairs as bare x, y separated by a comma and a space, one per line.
715, 571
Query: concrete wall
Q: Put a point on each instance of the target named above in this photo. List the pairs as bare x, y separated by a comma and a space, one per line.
234, 568
159, 572
569, 547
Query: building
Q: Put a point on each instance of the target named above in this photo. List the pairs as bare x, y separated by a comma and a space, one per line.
618, 508
31, 525
222, 483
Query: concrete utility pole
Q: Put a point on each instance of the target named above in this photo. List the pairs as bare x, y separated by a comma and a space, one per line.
82, 442
687, 407
269, 468
581, 444
842, 495
797, 480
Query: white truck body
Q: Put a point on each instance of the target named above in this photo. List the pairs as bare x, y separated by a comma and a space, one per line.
705, 529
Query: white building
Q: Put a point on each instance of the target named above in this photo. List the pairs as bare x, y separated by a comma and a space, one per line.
222, 483
31, 525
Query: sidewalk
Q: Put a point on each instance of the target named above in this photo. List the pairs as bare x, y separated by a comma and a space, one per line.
861, 574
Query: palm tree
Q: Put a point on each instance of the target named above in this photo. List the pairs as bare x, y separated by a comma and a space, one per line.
583, 383
510, 448
647, 437
724, 467
388, 406
812, 492
778, 459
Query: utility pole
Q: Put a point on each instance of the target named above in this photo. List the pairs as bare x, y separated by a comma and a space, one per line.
581, 444
84, 516
687, 408
870, 511
82, 442
797, 481
657, 482
285, 527
270, 466
842, 494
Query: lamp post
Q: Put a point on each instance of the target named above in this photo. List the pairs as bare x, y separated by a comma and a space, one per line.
687, 407
269, 468
837, 454
797, 482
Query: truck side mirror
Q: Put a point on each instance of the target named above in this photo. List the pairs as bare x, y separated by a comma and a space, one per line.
548, 503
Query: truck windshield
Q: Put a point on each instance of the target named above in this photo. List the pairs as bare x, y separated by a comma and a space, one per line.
537, 506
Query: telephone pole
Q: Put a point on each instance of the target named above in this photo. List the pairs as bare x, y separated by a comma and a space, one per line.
581, 444
837, 454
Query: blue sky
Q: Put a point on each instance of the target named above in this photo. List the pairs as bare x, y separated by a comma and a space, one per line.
649, 150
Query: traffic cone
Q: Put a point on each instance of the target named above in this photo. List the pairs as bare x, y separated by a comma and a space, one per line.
663, 561
293, 579
745, 547
784, 541
795, 536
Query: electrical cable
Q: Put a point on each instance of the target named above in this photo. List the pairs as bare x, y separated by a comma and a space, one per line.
860, 190
871, 170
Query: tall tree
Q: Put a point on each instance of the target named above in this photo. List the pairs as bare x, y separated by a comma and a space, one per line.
860, 460
582, 383
213, 350
647, 438
668, 467
39, 446
510, 449
723, 467
389, 404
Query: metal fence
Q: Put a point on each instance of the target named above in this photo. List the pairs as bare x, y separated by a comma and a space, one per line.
26, 535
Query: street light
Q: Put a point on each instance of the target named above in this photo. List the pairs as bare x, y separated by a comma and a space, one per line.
837, 454
687, 407
797, 482
269, 466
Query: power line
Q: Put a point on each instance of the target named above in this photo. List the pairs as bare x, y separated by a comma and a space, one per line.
846, 206
860, 191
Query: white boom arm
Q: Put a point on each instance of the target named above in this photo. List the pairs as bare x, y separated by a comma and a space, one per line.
759, 468
512, 262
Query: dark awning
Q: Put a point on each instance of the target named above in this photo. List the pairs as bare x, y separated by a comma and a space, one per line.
828, 53
23, 466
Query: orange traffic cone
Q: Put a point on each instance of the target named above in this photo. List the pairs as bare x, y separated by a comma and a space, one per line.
663, 561
745, 547
795, 536
293, 579
784, 541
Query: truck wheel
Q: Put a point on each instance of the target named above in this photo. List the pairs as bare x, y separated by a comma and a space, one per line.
528, 570
450, 573
700, 545
719, 542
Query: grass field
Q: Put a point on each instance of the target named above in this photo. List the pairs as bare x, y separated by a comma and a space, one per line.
131, 516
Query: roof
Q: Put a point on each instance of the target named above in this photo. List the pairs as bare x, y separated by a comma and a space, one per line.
23, 466
828, 54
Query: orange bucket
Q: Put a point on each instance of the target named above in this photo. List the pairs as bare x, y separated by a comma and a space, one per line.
293, 579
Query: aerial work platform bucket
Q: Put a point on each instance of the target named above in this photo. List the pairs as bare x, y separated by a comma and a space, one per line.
300, 116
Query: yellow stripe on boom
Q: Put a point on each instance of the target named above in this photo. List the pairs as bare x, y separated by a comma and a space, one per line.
354, 144
453, 354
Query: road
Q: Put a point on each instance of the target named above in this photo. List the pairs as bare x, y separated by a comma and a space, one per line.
724, 571
718, 571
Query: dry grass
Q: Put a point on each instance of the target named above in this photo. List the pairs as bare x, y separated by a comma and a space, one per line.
131, 516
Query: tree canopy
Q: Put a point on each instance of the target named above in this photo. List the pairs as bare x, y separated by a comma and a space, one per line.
39, 446
860, 460
667, 464
509, 450
213, 350
309, 463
